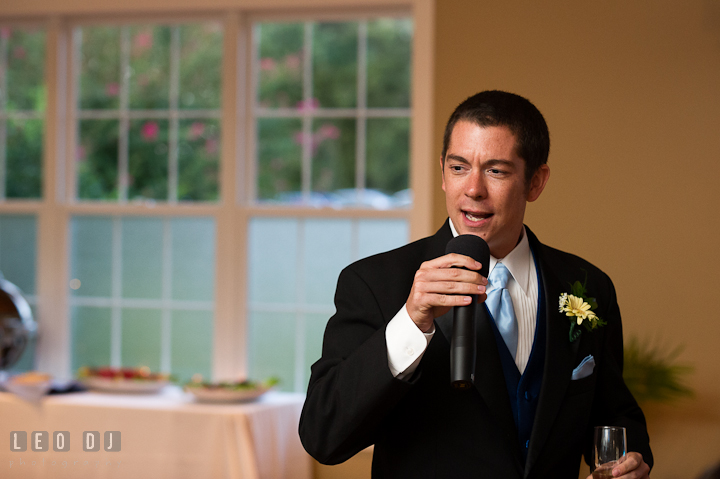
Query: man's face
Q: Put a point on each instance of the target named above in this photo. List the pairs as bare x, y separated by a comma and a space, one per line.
485, 187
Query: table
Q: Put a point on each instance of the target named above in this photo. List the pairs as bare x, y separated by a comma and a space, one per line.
166, 435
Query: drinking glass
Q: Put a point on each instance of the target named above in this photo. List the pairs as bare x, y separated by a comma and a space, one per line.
609, 450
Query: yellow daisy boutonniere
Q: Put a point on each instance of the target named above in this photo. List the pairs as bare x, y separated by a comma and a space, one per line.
579, 308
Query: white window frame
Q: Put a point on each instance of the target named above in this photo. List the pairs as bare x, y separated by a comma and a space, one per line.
235, 207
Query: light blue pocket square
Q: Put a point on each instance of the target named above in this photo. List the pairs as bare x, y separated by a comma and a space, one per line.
585, 368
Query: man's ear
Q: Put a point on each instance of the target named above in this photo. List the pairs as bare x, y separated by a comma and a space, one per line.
442, 172
538, 182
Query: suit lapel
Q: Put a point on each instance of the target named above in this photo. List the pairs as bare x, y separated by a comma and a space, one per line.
559, 357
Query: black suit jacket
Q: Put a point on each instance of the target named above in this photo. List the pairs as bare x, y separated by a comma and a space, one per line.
421, 427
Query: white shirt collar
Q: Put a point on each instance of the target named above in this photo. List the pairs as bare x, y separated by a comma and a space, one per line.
518, 261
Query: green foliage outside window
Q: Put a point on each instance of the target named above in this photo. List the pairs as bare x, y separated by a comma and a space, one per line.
335, 68
154, 87
22, 91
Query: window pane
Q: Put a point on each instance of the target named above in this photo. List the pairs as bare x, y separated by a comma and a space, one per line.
294, 266
376, 236
337, 128
335, 64
142, 254
99, 67
97, 159
327, 249
333, 145
272, 348
148, 160
191, 340
149, 67
198, 159
272, 252
193, 259
25, 69
18, 247
141, 338
24, 159
314, 330
90, 336
389, 55
141, 277
281, 64
388, 145
279, 155
91, 256
22, 105
200, 61
143, 76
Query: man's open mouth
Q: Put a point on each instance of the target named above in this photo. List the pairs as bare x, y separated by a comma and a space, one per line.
477, 216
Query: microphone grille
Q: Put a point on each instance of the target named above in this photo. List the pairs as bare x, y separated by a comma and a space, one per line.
472, 246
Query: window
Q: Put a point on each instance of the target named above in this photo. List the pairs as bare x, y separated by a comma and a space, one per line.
205, 178
22, 108
148, 112
142, 293
148, 131
332, 109
332, 129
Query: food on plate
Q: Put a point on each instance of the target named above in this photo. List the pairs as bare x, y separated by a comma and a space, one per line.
227, 392
31, 377
244, 385
121, 374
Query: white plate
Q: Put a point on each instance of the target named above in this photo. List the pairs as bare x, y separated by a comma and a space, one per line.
124, 385
220, 395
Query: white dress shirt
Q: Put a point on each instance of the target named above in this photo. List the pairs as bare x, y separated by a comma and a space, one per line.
406, 344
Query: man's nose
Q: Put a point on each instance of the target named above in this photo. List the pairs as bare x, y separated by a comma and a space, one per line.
476, 187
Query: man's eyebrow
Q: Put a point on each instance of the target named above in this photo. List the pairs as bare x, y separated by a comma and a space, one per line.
499, 162
450, 156
485, 164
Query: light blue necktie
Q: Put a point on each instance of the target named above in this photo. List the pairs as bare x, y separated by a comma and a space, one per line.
500, 305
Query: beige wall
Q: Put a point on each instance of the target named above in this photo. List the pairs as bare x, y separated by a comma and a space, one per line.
631, 93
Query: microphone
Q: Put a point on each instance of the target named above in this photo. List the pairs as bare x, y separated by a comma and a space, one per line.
462, 346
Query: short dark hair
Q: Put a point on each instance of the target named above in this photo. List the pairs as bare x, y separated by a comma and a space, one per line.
500, 108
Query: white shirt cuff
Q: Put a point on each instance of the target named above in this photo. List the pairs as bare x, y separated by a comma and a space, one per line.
406, 344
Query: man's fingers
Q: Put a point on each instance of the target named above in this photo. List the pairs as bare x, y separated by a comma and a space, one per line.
453, 260
442, 283
633, 467
449, 287
450, 275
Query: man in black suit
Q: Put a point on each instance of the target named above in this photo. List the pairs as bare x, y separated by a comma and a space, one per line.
384, 375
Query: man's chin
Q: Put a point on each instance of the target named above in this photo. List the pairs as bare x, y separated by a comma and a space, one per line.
480, 230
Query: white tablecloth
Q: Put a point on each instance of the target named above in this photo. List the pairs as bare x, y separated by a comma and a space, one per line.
165, 435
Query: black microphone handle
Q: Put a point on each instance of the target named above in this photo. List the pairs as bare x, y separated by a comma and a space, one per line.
462, 346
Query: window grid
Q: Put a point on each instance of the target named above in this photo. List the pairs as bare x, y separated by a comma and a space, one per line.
116, 302
361, 113
124, 114
299, 313
300, 308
